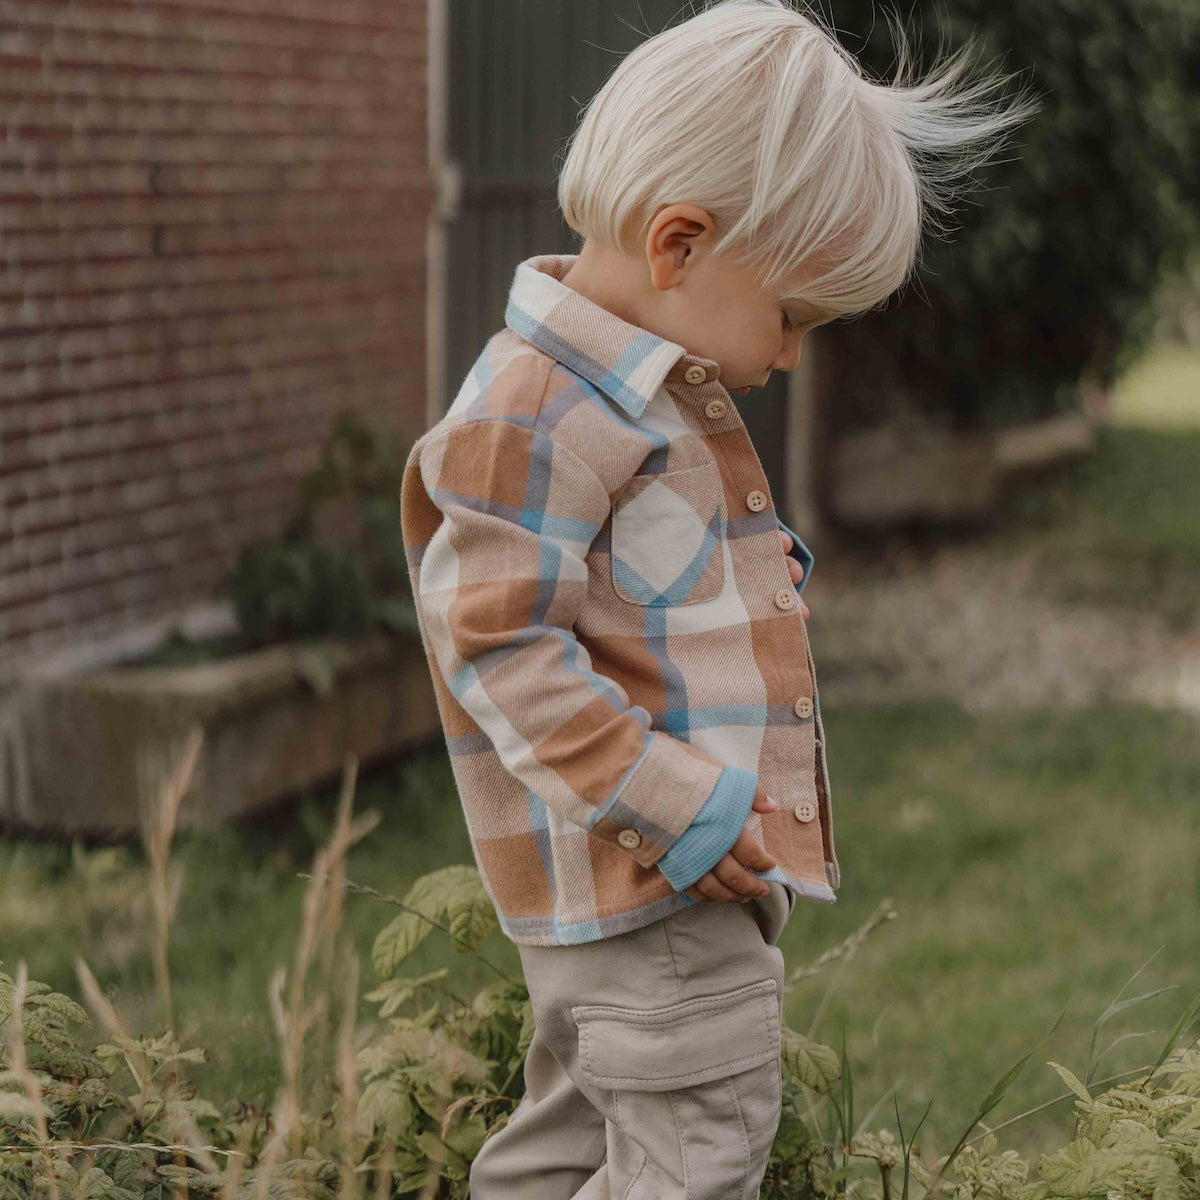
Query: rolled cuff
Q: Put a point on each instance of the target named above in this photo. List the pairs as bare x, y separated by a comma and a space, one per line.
713, 832
800, 552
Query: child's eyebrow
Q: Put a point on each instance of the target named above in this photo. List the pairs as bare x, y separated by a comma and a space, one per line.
803, 304
807, 311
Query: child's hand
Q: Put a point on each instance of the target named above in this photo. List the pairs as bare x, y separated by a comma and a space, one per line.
794, 569
729, 879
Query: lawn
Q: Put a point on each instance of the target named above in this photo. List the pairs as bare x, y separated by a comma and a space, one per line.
1036, 859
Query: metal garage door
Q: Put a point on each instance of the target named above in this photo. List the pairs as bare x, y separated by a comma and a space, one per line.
518, 74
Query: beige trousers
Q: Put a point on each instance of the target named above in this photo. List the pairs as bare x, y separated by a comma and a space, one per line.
654, 1071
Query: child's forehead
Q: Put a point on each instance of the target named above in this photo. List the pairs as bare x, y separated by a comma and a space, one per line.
798, 287
798, 302
797, 293
793, 290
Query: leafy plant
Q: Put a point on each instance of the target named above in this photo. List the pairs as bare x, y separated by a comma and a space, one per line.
339, 566
1049, 275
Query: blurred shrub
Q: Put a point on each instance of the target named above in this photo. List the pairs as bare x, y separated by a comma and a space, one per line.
339, 566
1051, 269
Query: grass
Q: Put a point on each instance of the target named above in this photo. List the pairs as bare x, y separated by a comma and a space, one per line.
1161, 390
1036, 858
238, 912
1122, 525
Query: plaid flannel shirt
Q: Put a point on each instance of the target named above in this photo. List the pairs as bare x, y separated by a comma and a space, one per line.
616, 645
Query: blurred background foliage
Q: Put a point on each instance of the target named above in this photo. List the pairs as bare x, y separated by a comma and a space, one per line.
1049, 272
339, 566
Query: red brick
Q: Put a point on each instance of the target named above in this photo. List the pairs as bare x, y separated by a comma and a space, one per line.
217, 212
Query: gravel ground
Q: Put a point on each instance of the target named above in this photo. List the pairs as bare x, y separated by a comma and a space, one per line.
971, 626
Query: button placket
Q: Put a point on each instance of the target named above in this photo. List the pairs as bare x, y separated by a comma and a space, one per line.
824, 791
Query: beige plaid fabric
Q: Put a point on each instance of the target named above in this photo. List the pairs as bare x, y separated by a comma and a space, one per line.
616, 645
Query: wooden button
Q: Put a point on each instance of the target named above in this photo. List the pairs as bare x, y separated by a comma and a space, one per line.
695, 374
805, 810
716, 409
629, 838
803, 707
756, 501
785, 598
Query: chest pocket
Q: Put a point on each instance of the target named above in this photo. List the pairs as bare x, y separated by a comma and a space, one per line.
667, 537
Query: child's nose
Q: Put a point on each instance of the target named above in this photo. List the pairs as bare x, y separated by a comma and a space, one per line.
788, 357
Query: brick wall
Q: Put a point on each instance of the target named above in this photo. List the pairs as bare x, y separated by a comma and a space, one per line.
212, 221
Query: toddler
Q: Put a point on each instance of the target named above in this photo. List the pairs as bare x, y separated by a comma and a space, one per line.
611, 606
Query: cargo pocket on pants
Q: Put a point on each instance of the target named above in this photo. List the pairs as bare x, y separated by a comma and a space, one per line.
696, 1085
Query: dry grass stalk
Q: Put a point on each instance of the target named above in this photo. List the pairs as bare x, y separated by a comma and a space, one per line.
350, 1138
158, 831
237, 1167
383, 1172
183, 1129
321, 919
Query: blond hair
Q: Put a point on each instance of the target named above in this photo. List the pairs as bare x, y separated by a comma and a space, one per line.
754, 111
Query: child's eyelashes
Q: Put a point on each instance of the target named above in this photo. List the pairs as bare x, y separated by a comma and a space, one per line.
789, 324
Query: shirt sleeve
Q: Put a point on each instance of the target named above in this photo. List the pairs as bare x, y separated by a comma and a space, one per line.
498, 518
800, 552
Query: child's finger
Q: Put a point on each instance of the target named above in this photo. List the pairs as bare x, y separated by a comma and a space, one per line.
762, 802
748, 853
714, 889
736, 878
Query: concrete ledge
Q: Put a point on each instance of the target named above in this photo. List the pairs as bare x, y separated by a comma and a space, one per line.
889, 474
92, 752
893, 474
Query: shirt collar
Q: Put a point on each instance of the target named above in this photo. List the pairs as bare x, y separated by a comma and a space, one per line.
624, 361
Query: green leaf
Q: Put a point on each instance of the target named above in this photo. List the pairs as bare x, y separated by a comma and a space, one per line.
396, 941
452, 1164
1069, 1170
1082, 1169
470, 912
456, 890
387, 1101
466, 1136
16, 1107
1185, 1019
1071, 1081
397, 991
815, 1065
1120, 1006
998, 1089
